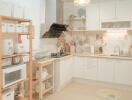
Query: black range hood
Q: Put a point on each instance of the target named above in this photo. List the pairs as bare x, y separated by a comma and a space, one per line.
55, 30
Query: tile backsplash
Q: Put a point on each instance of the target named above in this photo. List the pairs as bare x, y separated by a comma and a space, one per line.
111, 42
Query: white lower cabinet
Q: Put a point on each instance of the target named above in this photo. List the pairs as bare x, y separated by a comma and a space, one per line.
103, 69
78, 67
90, 68
85, 68
63, 72
123, 72
106, 70
99, 69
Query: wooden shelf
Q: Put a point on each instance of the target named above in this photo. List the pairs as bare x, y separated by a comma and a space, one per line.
79, 31
23, 98
43, 63
12, 86
89, 31
14, 19
14, 33
14, 55
47, 90
48, 77
77, 19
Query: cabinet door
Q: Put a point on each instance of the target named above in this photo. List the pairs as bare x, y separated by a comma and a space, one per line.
90, 68
106, 70
65, 71
68, 69
124, 8
107, 10
92, 15
78, 69
62, 72
123, 72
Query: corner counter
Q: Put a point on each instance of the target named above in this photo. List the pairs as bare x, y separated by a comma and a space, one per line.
103, 56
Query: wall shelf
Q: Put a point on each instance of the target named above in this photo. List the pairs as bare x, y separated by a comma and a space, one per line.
14, 19
77, 19
88, 31
14, 33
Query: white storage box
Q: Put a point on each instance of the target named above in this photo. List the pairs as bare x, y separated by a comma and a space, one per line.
25, 59
11, 27
7, 62
8, 48
8, 95
19, 28
20, 48
4, 27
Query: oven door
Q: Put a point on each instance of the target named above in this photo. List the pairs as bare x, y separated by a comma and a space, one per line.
14, 74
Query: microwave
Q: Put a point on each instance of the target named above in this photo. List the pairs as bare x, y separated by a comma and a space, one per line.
14, 74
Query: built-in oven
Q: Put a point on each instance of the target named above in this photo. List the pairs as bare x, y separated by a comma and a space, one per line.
14, 74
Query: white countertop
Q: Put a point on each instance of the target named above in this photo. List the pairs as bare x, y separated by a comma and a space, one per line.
102, 56
64, 57
86, 55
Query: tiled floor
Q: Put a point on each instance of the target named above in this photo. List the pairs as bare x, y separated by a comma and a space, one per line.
80, 91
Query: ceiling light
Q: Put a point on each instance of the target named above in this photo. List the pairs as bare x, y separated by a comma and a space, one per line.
81, 2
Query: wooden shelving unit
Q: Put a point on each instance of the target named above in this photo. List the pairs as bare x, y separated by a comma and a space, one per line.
14, 55
14, 33
2, 34
49, 65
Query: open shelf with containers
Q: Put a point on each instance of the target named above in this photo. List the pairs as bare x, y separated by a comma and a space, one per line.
11, 27
44, 77
77, 23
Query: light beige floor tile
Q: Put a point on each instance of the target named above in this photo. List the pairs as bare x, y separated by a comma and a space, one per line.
78, 91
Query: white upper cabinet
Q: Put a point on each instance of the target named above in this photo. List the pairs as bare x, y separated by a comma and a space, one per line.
124, 9
106, 70
107, 10
92, 15
123, 72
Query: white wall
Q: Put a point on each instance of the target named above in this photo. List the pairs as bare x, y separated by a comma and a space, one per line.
48, 44
69, 9
50, 13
